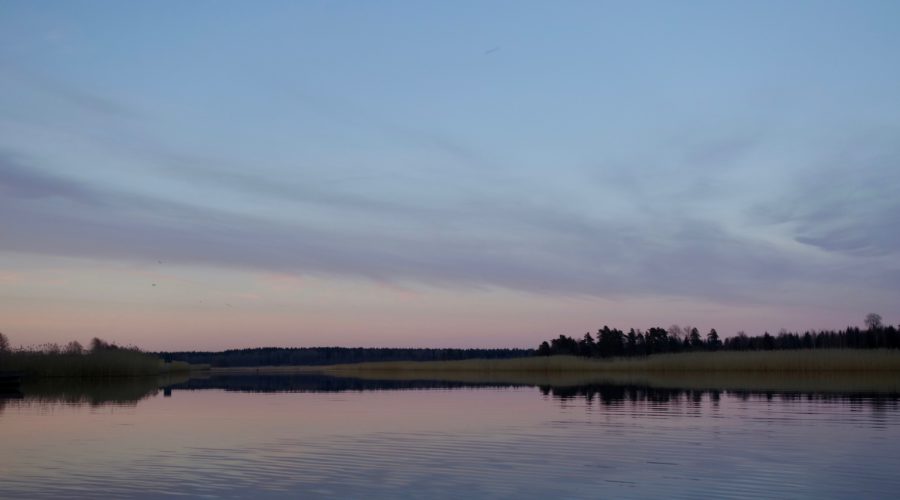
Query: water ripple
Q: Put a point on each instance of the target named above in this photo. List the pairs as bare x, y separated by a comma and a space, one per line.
491, 442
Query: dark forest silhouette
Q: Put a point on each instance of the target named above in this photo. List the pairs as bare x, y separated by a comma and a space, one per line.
283, 356
612, 342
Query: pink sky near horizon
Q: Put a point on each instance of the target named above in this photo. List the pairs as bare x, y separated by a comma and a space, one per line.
166, 307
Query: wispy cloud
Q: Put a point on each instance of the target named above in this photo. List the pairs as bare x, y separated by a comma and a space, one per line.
497, 243
20, 181
847, 205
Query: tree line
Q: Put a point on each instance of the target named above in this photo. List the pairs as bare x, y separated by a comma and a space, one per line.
281, 356
262, 356
612, 342
608, 342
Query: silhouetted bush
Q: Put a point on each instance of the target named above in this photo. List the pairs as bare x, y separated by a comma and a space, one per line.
103, 360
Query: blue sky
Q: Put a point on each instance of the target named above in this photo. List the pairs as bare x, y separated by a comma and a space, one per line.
648, 162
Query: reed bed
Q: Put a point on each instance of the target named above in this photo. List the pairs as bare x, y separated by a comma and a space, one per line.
826, 382
812, 361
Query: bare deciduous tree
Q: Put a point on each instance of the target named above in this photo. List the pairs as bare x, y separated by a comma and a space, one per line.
51, 348
73, 347
98, 345
676, 332
4, 344
873, 321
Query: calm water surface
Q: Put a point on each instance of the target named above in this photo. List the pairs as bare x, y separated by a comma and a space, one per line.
313, 436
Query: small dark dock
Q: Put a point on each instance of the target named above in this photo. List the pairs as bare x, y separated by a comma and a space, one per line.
10, 380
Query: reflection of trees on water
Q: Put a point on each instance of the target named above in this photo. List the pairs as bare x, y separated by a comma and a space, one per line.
8, 395
616, 395
123, 391
318, 383
605, 394
129, 391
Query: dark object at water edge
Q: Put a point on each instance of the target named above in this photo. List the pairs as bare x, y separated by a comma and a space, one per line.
10, 380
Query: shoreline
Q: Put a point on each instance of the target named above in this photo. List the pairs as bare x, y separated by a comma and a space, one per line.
785, 361
827, 371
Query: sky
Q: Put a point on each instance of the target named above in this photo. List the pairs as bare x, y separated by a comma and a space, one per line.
214, 174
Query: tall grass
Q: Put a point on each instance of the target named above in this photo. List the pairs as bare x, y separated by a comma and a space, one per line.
831, 381
822, 360
99, 364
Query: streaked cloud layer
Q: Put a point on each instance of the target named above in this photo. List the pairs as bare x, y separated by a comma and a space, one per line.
725, 159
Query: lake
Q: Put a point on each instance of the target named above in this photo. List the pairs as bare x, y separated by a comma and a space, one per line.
315, 436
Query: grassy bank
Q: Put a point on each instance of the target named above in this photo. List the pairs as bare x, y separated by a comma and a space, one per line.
824, 382
798, 361
101, 364
827, 371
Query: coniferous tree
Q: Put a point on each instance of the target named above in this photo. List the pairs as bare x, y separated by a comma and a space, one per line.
696, 340
712, 339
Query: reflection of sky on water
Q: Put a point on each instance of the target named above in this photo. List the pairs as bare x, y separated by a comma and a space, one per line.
446, 442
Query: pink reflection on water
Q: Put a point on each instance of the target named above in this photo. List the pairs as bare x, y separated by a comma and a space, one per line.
481, 442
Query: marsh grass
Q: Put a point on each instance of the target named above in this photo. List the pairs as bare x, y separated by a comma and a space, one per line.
839, 371
101, 364
793, 361
845, 370
825, 382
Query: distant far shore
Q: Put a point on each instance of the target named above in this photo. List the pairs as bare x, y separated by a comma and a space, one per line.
832, 370
803, 360
809, 360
